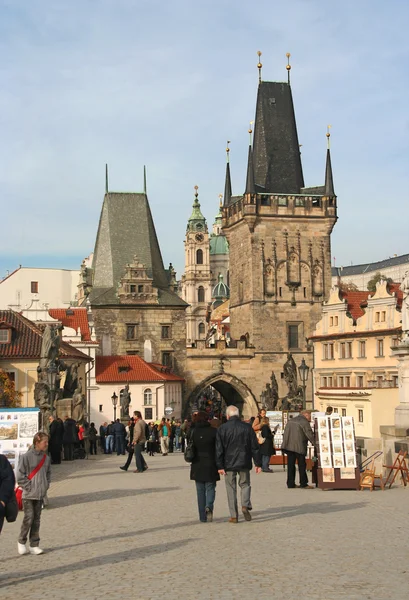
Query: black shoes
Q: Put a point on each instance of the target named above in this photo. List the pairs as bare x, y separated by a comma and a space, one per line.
123, 468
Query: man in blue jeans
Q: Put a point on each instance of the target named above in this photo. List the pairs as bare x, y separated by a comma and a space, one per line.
139, 439
119, 433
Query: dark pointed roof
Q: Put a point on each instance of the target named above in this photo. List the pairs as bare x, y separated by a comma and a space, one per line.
329, 182
126, 230
276, 154
250, 187
227, 186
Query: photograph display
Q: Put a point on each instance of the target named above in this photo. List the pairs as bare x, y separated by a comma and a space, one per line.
347, 473
336, 442
328, 475
326, 460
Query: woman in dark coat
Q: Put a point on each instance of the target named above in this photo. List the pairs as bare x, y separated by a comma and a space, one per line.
7, 483
267, 448
203, 469
55, 440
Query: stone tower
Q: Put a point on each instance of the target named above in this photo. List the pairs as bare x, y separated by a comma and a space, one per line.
279, 236
196, 283
219, 251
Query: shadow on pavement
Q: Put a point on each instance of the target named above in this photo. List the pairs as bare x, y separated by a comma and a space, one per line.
130, 554
118, 471
60, 501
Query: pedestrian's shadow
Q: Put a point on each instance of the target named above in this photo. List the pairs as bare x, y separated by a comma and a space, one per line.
101, 496
282, 512
130, 554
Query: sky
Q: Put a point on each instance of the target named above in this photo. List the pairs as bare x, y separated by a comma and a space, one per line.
164, 83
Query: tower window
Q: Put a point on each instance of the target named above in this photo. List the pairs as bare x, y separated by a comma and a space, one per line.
130, 332
293, 336
200, 294
132, 289
199, 257
202, 330
166, 359
165, 332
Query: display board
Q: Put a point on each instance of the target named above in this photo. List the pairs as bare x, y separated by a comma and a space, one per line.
336, 449
17, 429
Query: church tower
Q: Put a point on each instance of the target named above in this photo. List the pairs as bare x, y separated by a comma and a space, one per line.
196, 282
279, 236
219, 251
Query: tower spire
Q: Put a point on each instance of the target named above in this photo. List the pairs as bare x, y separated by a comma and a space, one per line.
259, 65
227, 185
106, 178
250, 187
329, 181
144, 180
288, 67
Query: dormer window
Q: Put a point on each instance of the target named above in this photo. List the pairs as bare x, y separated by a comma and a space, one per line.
5, 336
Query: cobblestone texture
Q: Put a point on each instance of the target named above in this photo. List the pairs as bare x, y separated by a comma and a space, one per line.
110, 534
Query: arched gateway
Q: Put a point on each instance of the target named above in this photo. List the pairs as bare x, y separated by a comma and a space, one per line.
233, 390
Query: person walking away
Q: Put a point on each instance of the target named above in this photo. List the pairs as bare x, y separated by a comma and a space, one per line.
109, 440
171, 429
118, 429
7, 483
297, 434
267, 447
139, 439
203, 469
164, 436
130, 447
236, 448
55, 443
70, 438
85, 437
33, 475
178, 433
92, 439
102, 436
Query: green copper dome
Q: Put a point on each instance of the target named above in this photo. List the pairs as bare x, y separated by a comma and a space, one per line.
221, 290
219, 245
197, 222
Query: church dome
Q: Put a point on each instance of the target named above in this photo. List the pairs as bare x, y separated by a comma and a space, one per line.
221, 290
219, 245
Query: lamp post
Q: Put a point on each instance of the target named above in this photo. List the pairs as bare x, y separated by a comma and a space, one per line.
303, 371
114, 399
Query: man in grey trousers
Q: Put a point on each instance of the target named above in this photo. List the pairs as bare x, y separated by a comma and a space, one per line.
236, 448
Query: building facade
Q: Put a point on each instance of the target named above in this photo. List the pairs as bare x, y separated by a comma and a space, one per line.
355, 371
393, 268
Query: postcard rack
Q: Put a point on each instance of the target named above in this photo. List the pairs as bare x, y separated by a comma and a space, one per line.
336, 451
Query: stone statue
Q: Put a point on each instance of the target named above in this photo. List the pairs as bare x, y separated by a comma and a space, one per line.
404, 286
71, 380
290, 376
42, 398
274, 390
125, 401
78, 409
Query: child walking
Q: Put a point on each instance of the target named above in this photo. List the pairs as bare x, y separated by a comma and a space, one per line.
34, 477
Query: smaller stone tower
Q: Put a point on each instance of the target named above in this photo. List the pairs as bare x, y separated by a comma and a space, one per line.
219, 251
196, 282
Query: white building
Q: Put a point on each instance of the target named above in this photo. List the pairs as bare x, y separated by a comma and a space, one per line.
152, 387
393, 268
45, 287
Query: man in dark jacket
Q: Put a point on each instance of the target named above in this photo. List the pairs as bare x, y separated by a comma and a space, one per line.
102, 435
297, 433
119, 432
7, 483
70, 438
56, 440
236, 447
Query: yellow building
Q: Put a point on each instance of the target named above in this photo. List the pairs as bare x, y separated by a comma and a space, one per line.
354, 369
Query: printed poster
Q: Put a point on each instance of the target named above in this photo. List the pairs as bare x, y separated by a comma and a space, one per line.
347, 473
17, 429
328, 475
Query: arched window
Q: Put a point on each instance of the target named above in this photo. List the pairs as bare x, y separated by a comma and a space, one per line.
202, 330
199, 257
147, 396
200, 294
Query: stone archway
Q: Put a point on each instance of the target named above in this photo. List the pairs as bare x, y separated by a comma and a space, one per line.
233, 390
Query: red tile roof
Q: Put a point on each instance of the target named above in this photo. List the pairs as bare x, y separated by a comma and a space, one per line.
132, 369
78, 320
356, 302
394, 288
26, 339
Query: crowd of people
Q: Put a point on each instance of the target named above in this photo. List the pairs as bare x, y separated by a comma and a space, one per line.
216, 447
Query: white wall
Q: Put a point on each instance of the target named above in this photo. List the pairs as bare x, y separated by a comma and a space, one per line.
56, 287
162, 396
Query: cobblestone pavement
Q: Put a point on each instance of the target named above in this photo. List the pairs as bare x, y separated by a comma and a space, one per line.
110, 534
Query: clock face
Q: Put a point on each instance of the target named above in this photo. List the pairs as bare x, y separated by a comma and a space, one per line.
199, 237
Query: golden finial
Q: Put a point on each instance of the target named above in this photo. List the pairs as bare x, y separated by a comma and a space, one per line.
328, 135
251, 130
228, 150
259, 65
288, 67
220, 200
196, 192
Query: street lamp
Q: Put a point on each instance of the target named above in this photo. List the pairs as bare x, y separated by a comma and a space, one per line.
303, 371
114, 399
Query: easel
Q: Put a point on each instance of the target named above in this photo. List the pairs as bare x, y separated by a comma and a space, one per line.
399, 466
368, 477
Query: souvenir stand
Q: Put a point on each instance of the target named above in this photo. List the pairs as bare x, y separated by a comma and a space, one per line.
336, 450
278, 420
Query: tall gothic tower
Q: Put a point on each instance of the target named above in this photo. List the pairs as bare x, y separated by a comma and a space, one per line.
196, 283
279, 236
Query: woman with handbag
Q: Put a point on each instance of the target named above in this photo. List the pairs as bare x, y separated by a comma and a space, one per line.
7, 483
267, 445
203, 468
